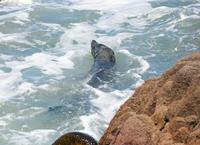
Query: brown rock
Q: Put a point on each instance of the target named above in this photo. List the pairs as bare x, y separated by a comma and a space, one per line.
163, 111
75, 138
141, 130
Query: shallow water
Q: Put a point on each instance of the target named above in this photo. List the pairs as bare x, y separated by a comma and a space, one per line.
45, 58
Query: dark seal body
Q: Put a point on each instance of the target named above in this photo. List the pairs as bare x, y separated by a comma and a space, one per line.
104, 60
75, 138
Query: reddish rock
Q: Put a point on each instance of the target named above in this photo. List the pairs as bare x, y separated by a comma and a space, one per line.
163, 111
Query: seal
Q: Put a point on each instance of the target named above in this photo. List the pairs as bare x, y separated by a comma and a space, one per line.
75, 138
104, 60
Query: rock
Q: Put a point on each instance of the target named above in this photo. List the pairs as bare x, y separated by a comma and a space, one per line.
75, 138
163, 111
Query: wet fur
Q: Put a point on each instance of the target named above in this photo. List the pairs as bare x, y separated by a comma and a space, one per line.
104, 60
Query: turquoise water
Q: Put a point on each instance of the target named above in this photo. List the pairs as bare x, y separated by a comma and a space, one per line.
45, 58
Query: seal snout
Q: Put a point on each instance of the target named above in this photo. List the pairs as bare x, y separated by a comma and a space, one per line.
93, 44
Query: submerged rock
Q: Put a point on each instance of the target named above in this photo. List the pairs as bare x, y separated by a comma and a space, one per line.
163, 111
75, 138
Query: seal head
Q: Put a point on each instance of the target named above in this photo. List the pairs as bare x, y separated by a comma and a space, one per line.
104, 57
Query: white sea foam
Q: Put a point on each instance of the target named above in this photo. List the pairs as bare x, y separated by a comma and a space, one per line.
114, 41
5, 57
181, 20
7, 85
16, 14
53, 27
108, 102
159, 12
26, 87
29, 112
17, 1
116, 13
34, 137
3, 124
12, 37
49, 64
143, 63
85, 35
22, 16
5, 120
12, 82
107, 5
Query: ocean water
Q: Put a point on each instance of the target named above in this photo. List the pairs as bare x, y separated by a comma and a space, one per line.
45, 58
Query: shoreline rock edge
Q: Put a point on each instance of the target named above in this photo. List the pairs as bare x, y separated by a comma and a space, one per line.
163, 111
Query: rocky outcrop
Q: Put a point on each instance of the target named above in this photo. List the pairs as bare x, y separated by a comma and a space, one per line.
163, 111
